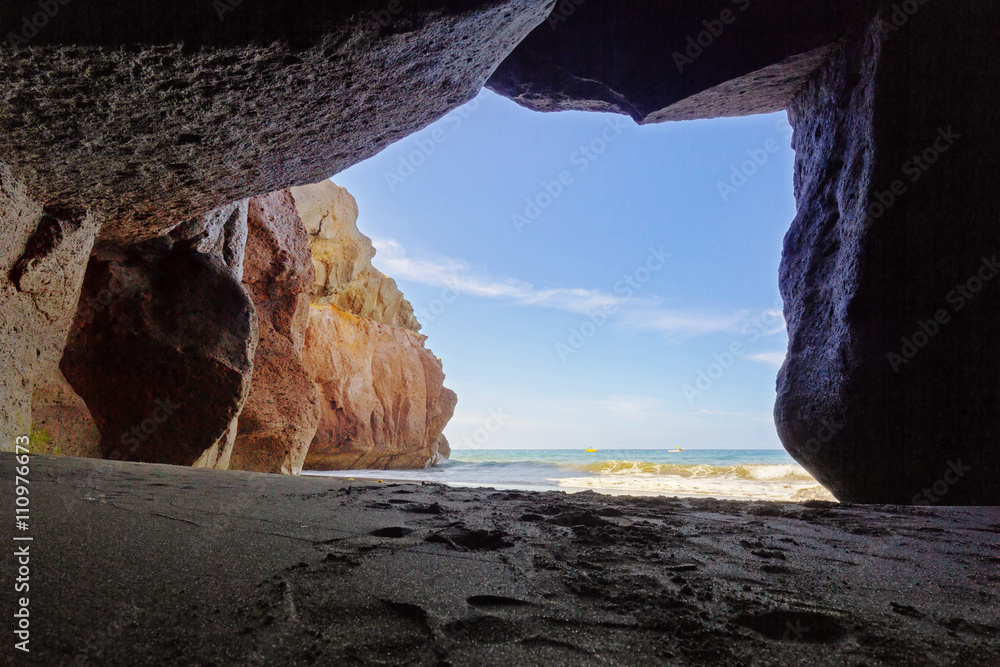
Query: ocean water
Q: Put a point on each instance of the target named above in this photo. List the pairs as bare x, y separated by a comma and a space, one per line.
724, 473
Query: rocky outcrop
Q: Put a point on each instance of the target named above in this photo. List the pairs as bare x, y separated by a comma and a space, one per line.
657, 61
162, 352
282, 412
891, 389
148, 311
149, 113
384, 403
383, 400
342, 258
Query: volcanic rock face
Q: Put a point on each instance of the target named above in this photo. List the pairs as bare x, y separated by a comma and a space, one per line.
149, 113
891, 389
162, 352
383, 400
282, 412
658, 61
384, 403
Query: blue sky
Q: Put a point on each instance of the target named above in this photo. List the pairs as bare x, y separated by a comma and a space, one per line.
587, 281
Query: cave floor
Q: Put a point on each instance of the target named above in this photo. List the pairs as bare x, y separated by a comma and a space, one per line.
135, 564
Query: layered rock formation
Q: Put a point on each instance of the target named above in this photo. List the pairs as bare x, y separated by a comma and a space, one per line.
342, 256
179, 363
282, 412
384, 403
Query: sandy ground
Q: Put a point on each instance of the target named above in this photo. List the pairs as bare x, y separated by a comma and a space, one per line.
142, 564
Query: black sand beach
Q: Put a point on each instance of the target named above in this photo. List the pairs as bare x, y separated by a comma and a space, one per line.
137, 564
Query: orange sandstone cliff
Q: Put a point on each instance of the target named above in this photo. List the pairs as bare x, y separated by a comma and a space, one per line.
383, 401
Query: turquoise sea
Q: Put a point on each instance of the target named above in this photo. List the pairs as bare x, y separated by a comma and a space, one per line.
724, 473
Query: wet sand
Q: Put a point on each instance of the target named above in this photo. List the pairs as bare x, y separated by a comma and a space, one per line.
142, 564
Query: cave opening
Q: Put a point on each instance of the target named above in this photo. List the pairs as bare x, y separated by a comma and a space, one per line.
595, 287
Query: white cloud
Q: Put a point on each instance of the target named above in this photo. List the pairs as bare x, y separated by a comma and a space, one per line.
679, 322
776, 358
636, 313
457, 275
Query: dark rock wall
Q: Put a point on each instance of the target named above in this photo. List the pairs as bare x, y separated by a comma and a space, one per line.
891, 391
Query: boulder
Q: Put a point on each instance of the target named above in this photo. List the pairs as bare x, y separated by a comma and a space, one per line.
657, 61
282, 412
891, 388
383, 400
162, 351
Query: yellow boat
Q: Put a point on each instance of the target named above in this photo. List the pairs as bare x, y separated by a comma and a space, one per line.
590, 450
675, 450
